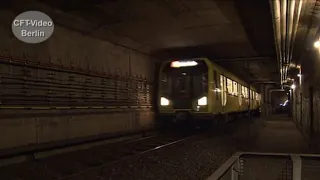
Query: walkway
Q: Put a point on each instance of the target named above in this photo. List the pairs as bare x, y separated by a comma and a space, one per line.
278, 133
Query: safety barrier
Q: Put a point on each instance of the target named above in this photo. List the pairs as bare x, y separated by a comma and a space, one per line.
269, 166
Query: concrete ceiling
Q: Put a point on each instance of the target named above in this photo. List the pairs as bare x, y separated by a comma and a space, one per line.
217, 29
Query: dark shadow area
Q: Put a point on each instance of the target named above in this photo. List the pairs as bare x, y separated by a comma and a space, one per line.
212, 51
257, 21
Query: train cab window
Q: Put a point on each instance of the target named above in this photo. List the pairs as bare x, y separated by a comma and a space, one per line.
216, 85
204, 81
229, 86
235, 88
200, 84
165, 83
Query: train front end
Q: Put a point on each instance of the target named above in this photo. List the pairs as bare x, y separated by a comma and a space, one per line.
183, 90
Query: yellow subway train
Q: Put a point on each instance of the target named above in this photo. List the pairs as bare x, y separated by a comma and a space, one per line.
199, 89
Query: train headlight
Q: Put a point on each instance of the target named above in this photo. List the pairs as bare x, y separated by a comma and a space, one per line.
202, 101
164, 101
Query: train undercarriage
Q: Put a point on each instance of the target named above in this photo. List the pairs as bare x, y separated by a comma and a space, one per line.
202, 120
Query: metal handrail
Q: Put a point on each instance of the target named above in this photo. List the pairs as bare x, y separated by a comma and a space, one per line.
225, 167
229, 164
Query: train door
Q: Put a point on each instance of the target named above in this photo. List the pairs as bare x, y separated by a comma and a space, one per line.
216, 98
216, 87
223, 84
240, 96
181, 90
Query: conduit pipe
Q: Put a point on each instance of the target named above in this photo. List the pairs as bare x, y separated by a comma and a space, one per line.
285, 15
275, 12
290, 14
283, 20
289, 33
295, 25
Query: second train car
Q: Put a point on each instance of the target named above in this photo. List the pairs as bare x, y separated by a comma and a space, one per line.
199, 89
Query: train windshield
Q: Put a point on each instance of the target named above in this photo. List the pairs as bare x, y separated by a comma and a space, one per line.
185, 82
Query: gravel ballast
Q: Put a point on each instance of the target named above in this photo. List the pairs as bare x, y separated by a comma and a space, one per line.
193, 159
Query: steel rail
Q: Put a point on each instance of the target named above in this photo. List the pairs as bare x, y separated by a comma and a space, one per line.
128, 157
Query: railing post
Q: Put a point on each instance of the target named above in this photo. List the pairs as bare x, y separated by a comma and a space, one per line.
297, 166
235, 170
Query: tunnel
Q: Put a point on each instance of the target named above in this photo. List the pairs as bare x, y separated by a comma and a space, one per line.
162, 89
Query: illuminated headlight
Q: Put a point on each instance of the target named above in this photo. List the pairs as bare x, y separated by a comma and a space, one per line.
202, 101
164, 101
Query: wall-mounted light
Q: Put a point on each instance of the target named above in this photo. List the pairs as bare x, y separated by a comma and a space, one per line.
317, 44
299, 75
293, 86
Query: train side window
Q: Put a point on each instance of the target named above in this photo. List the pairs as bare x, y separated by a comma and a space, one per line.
244, 91
240, 90
247, 92
235, 88
229, 86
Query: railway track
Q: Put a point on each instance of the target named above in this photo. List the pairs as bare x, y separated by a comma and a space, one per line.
75, 165
71, 164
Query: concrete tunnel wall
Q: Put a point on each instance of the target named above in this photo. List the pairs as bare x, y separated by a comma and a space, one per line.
68, 49
306, 97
